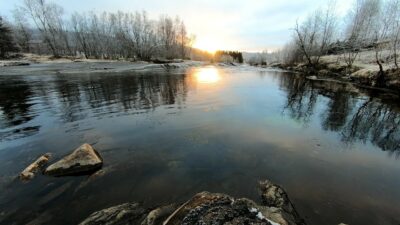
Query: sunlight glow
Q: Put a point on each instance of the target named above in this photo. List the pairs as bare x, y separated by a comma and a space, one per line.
207, 44
207, 75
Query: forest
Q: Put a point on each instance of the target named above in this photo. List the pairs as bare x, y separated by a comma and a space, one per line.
42, 27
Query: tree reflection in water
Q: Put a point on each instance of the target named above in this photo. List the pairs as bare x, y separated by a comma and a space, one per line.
375, 122
354, 118
72, 98
301, 98
15, 107
75, 97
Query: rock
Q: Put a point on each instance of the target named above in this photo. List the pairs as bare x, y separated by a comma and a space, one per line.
274, 196
158, 215
29, 172
83, 160
126, 214
210, 208
364, 77
312, 77
207, 208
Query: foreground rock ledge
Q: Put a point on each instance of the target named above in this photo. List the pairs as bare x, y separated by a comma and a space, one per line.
83, 160
207, 208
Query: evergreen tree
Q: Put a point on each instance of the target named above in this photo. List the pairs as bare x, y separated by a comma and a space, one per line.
6, 40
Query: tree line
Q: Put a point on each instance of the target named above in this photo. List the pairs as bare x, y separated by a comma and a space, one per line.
99, 35
369, 24
7, 43
228, 56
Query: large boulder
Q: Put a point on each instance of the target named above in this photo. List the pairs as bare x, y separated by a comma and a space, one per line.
83, 160
211, 208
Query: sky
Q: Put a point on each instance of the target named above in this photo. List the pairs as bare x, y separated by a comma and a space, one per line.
244, 25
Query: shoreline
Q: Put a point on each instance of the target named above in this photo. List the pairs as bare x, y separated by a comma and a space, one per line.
359, 77
64, 66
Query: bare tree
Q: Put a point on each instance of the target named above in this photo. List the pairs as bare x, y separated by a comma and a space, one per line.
183, 39
106, 35
48, 20
396, 42
359, 30
22, 32
380, 36
7, 44
315, 34
393, 16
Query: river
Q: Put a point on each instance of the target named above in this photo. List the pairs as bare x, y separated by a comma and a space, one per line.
165, 136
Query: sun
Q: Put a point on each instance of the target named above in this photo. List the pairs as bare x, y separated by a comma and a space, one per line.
207, 44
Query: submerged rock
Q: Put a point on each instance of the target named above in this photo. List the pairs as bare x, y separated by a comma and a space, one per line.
128, 213
82, 160
207, 208
29, 172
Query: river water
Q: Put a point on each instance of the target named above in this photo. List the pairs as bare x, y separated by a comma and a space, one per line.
165, 136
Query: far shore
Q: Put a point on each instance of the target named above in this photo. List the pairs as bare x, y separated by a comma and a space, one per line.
31, 63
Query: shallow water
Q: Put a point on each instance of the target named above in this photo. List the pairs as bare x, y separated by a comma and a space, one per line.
165, 136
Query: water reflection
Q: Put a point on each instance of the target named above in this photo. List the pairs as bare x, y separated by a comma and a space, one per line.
76, 97
301, 97
375, 122
15, 108
208, 75
166, 136
365, 119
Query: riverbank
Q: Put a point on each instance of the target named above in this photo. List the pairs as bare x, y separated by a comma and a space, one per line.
364, 72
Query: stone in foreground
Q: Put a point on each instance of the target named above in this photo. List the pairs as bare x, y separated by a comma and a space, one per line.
213, 208
207, 209
128, 213
83, 160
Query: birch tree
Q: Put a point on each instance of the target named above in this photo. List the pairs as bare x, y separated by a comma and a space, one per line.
314, 35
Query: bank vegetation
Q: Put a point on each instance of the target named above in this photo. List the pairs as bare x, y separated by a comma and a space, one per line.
364, 45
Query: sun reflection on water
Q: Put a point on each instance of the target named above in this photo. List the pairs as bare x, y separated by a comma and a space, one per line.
207, 75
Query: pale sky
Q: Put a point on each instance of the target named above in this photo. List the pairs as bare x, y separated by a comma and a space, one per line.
246, 25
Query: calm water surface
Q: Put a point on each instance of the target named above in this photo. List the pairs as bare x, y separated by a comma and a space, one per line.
166, 136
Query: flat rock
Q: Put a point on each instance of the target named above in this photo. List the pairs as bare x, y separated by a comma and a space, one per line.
83, 160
